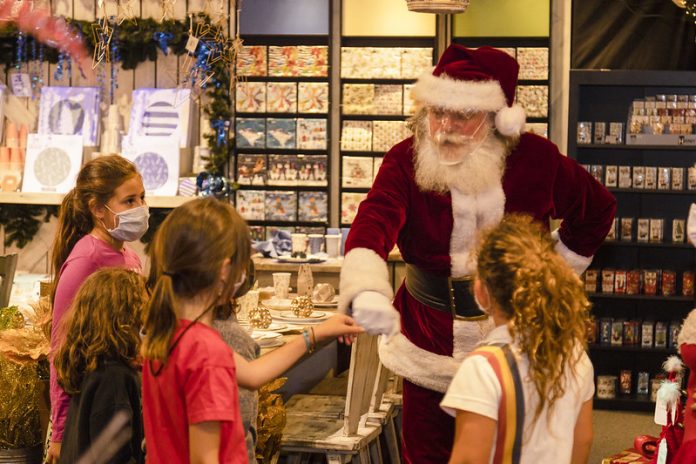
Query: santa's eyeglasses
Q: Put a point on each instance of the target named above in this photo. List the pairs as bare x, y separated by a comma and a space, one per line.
457, 117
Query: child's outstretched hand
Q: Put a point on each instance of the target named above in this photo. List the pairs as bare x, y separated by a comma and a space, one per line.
339, 326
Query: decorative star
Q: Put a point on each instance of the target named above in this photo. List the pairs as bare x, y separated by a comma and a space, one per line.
126, 12
167, 9
102, 33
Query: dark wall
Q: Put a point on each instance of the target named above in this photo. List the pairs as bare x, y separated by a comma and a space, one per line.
631, 34
279, 17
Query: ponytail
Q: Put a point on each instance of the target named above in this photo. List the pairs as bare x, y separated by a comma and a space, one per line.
160, 319
543, 299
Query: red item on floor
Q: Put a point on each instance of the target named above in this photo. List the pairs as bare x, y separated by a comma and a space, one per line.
646, 445
626, 456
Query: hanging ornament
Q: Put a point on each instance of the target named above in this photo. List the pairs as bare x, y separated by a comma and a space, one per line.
438, 6
215, 186
115, 58
167, 9
260, 317
162, 39
125, 11
20, 51
302, 306
102, 33
222, 130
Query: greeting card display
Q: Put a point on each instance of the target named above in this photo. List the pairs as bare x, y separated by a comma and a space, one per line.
311, 134
257, 233
52, 162
313, 207
250, 204
251, 97
409, 102
282, 170
281, 97
311, 170
163, 113
251, 170
157, 161
282, 61
386, 134
534, 62
313, 97
388, 99
357, 171
281, 206
377, 163
251, 61
313, 60
250, 132
356, 136
534, 99
70, 111
349, 206
415, 61
358, 98
281, 133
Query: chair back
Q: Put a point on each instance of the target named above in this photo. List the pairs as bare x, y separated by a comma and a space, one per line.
8, 266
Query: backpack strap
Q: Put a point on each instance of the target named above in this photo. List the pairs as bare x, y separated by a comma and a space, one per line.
508, 445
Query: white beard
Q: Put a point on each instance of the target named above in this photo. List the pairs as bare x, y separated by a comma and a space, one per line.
478, 172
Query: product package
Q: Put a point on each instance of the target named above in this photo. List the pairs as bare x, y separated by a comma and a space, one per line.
311, 134
626, 229
251, 170
639, 177
678, 228
349, 206
677, 178
591, 280
625, 180
656, 230
611, 176
647, 334
281, 133
357, 171
313, 97
313, 207
282, 170
312, 170
281, 97
250, 204
281, 206
608, 280
643, 230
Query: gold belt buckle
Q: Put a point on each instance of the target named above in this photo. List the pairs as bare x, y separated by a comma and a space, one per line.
453, 302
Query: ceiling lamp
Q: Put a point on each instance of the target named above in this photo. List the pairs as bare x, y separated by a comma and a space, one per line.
438, 6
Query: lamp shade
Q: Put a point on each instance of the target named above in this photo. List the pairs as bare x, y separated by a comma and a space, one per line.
438, 6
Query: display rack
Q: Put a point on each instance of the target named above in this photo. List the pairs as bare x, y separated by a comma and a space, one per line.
363, 118
606, 96
283, 183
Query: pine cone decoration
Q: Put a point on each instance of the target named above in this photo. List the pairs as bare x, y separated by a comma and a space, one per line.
260, 317
302, 306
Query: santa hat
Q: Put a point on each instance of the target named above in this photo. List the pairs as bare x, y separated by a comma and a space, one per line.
474, 79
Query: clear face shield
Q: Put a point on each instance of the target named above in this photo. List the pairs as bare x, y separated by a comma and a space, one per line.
457, 134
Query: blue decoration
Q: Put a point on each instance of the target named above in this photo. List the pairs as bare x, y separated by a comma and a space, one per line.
162, 39
222, 129
213, 186
115, 58
21, 52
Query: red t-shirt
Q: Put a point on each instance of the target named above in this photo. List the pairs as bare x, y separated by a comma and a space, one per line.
197, 384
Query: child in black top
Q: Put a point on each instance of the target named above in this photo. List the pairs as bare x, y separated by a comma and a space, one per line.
96, 365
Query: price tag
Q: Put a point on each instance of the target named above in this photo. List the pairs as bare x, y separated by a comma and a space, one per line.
21, 84
192, 44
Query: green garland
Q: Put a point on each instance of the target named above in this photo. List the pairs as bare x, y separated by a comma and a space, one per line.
137, 45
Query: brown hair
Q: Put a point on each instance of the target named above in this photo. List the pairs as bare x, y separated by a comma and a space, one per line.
95, 184
541, 296
102, 323
187, 254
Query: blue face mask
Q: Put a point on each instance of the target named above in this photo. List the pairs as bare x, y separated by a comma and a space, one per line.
132, 224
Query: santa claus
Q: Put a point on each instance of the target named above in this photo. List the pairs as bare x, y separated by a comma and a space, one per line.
467, 164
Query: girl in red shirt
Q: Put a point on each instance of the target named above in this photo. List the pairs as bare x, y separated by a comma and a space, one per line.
190, 375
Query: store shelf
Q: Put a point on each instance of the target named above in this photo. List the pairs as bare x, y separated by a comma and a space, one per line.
21, 198
375, 117
370, 80
240, 114
647, 245
363, 153
302, 188
634, 348
652, 191
617, 146
286, 78
625, 403
689, 299
279, 151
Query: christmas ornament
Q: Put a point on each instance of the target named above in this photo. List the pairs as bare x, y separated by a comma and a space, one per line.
210, 185
302, 306
260, 317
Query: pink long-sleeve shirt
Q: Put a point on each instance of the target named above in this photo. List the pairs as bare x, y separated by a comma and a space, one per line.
87, 256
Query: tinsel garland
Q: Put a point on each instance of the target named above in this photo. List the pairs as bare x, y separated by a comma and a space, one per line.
137, 44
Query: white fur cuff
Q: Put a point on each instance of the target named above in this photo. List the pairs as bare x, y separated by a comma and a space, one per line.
578, 262
362, 270
444, 92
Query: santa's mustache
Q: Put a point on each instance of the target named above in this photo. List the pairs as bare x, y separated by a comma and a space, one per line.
451, 139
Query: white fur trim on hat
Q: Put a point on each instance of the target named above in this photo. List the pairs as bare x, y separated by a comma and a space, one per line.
362, 269
578, 262
510, 120
444, 92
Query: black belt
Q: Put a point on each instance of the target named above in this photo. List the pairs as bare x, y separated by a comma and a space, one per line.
447, 294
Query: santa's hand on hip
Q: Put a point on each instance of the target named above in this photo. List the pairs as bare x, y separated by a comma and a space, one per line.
376, 314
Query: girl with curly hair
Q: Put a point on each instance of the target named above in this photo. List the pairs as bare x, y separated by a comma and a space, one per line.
526, 394
96, 364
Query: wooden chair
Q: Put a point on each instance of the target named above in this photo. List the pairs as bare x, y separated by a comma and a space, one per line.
8, 266
339, 427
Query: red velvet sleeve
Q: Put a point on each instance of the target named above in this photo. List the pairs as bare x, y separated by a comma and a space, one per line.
585, 206
382, 214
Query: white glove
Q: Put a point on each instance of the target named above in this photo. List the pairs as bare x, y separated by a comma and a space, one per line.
376, 314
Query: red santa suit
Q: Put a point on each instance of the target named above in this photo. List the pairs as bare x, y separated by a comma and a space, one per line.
436, 234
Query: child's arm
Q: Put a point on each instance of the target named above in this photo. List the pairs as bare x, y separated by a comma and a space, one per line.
204, 442
582, 438
473, 438
253, 375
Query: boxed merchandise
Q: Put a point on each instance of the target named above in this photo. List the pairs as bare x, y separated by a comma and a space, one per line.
386, 134
281, 133
625, 378
281, 97
646, 335
611, 176
605, 331
313, 97
678, 227
660, 334
633, 282
312, 60
615, 135
584, 135
691, 181
669, 283
281, 206
626, 229
606, 387
656, 230
250, 204
409, 102
251, 169
385, 63
620, 281
677, 178
250, 132
664, 181
357, 171
643, 230
591, 280
597, 171
356, 136
282, 61
358, 99
157, 161
257, 233
534, 99
415, 61
639, 177
282, 170
539, 128
642, 383
611, 235
251, 60
608, 280
349, 206
534, 63
650, 177
311, 170
313, 207
388, 99
600, 131
688, 283
311, 134
631, 333
625, 180
674, 327
650, 281
251, 97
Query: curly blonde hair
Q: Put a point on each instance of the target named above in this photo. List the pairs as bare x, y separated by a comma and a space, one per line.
102, 323
541, 296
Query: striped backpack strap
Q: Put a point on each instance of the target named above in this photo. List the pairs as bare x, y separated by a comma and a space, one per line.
508, 445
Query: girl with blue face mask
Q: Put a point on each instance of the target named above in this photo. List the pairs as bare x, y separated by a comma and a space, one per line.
105, 209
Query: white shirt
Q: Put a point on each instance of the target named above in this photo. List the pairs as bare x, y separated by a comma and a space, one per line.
475, 388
